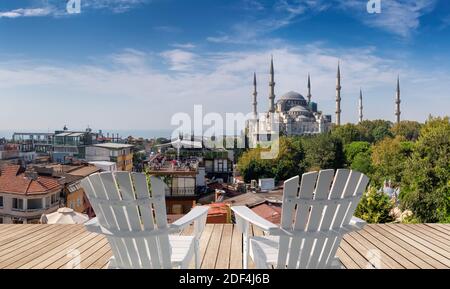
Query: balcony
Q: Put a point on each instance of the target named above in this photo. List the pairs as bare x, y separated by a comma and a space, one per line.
396, 246
34, 212
180, 192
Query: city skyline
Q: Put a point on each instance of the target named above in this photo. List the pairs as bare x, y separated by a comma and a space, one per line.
89, 69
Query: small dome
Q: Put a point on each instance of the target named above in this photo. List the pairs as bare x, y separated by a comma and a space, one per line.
292, 95
298, 108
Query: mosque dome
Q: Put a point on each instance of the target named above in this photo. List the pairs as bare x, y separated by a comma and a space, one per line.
292, 95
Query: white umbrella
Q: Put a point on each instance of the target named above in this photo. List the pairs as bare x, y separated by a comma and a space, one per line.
64, 216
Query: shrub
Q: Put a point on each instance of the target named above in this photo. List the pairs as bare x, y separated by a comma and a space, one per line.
374, 207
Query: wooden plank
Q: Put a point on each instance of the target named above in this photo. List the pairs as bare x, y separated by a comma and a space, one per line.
209, 261
8, 229
20, 240
444, 227
204, 241
22, 246
418, 255
438, 228
223, 258
19, 232
27, 253
421, 248
402, 255
236, 249
98, 254
438, 235
389, 256
345, 259
425, 234
80, 253
424, 240
370, 252
59, 250
355, 255
102, 262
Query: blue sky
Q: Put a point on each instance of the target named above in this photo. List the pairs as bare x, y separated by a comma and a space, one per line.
123, 64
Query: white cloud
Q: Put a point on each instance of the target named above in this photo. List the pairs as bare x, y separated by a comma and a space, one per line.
400, 17
57, 8
267, 18
136, 93
184, 45
30, 12
130, 58
116, 6
179, 60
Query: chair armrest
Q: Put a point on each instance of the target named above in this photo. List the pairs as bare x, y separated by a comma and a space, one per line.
357, 223
93, 226
195, 214
248, 215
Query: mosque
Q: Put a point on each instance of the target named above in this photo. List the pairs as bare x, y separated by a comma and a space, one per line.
293, 114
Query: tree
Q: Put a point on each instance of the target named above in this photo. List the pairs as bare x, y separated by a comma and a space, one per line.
426, 185
288, 163
408, 129
252, 167
389, 160
363, 163
381, 132
347, 133
358, 156
290, 159
374, 207
353, 149
374, 130
323, 152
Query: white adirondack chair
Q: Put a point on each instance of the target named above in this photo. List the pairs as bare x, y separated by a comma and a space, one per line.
315, 215
133, 218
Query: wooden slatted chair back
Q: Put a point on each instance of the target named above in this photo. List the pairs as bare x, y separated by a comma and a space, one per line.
134, 212
313, 212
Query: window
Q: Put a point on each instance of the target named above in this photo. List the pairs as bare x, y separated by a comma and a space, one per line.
55, 198
79, 202
1, 220
1, 202
17, 204
34, 204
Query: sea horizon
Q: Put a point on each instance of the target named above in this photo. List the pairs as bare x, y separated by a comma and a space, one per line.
123, 133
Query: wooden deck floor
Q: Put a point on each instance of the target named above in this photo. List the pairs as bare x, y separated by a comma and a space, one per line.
377, 246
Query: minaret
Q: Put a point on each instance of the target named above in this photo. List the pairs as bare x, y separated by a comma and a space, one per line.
272, 87
397, 101
338, 96
309, 89
255, 94
360, 106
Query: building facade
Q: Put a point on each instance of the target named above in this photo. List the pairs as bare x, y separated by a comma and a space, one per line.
120, 154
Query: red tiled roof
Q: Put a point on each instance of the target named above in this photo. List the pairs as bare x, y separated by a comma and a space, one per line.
13, 182
269, 212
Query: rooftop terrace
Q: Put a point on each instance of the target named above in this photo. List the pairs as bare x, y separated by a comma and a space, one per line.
376, 246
